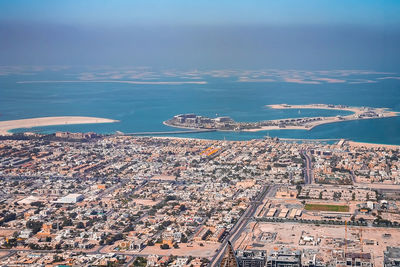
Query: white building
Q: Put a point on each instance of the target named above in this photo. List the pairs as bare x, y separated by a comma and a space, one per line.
70, 199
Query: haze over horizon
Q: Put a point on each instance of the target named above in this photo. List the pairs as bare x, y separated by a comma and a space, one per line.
200, 133
179, 34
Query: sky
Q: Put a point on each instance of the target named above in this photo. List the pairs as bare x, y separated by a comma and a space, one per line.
309, 34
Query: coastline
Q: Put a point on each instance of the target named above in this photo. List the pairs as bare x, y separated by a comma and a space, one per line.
348, 142
358, 113
371, 145
391, 114
194, 128
313, 106
6, 126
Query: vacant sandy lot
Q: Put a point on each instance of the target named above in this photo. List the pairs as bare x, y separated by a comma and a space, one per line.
366, 239
195, 250
191, 249
164, 178
145, 202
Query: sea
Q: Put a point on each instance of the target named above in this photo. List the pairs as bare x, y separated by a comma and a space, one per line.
27, 92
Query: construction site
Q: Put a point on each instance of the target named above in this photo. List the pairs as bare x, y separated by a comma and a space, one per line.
327, 244
323, 233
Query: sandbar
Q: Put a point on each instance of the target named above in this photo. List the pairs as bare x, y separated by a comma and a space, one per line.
5, 126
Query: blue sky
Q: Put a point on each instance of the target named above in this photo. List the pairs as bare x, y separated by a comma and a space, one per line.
205, 34
122, 12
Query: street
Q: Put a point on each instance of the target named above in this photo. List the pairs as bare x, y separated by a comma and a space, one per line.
308, 175
240, 225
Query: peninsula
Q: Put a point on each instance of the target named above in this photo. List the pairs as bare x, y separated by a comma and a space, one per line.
193, 121
5, 126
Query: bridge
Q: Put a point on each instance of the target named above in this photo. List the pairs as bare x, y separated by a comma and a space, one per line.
310, 140
166, 132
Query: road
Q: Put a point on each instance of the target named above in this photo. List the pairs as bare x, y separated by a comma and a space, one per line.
235, 232
9, 254
240, 225
167, 132
132, 256
353, 177
129, 262
308, 175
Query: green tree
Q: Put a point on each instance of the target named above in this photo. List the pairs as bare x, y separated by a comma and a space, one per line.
35, 226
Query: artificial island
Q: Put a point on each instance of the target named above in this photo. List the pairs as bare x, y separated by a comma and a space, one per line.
194, 121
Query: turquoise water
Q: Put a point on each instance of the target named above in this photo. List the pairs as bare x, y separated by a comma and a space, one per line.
145, 107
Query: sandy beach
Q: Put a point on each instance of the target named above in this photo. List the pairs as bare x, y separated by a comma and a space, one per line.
311, 106
267, 128
326, 120
348, 142
371, 145
357, 111
5, 126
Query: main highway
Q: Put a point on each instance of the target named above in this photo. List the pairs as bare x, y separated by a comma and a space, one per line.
308, 175
240, 225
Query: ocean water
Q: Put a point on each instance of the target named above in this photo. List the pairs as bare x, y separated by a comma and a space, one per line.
143, 107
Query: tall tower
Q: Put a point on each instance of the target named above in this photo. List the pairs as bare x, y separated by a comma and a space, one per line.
229, 258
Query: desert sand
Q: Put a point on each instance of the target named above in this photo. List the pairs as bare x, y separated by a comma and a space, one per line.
5, 126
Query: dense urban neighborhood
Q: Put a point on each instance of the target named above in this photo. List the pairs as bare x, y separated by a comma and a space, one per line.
158, 201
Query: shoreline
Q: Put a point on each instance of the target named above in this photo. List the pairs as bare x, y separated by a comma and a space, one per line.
194, 128
348, 142
370, 145
326, 120
358, 113
391, 114
319, 123
6, 126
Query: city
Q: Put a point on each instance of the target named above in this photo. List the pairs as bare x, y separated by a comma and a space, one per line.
156, 201
200, 133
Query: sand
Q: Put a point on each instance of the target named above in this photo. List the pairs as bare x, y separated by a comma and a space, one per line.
325, 120
5, 126
289, 235
185, 249
312, 106
164, 177
267, 128
348, 142
145, 202
371, 145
